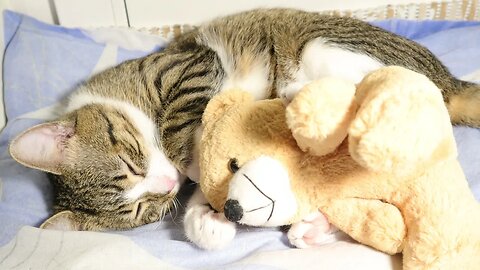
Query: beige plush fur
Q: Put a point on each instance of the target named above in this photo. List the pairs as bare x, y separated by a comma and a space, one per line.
391, 180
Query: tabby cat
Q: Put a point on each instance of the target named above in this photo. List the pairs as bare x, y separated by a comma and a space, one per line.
129, 134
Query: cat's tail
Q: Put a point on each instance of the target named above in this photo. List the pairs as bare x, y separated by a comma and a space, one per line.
464, 105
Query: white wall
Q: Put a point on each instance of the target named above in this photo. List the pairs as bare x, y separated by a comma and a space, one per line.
148, 13
91, 13
41, 9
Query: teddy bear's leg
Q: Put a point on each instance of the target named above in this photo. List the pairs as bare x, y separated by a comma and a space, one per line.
313, 230
469, 260
371, 222
320, 114
402, 123
205, 227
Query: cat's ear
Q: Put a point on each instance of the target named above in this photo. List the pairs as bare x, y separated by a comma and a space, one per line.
43, 146
222, 102
62, 221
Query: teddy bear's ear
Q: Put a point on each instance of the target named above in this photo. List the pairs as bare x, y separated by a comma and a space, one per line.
222, 102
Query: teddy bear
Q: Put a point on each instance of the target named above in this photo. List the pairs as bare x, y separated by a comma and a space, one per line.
378, 160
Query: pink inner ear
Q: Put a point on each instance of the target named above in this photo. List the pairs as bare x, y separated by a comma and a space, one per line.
42, 146
63, 221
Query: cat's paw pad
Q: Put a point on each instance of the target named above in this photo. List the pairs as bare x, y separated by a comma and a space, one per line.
313, 230
208, 229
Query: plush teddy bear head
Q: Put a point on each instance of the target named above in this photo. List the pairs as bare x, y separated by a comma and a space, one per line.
253, 167
266, 144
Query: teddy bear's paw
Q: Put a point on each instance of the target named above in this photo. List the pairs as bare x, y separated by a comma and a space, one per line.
313, 230
320, 114
208, 229
397, 133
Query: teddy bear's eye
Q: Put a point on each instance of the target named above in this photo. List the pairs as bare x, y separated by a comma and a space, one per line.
233, 165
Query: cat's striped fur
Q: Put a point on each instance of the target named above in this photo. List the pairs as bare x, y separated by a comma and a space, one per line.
267, 52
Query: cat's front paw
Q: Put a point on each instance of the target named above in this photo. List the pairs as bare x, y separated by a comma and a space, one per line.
208, 229
313, 230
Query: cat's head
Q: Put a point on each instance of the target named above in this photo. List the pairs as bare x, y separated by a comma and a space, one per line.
106, 167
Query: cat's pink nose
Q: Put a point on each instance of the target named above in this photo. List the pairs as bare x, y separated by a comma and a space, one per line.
160, 184
169, 183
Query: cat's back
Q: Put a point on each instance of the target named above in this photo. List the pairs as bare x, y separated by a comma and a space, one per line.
260, 50
278, 38
282, 29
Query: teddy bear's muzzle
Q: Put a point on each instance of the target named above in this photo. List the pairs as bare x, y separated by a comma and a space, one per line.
233, 210
259, 194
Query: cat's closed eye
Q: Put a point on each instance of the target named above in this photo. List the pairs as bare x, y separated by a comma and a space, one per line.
134, 169
120, 177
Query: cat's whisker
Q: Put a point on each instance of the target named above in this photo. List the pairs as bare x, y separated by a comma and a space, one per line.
176, 203
179, 203
173, 218
159, 224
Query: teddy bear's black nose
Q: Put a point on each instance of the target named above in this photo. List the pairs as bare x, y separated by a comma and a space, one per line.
233, 210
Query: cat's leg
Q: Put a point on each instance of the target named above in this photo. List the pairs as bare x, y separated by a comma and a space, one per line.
204, 226
319, 60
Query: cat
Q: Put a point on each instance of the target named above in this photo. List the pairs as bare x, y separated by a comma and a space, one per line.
129, 135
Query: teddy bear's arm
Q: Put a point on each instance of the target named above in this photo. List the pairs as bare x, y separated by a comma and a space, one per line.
371, 222
320, 114
402, 123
